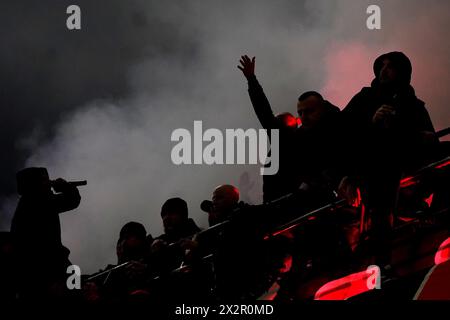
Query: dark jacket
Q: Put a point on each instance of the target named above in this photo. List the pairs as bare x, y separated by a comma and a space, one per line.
187, 230
36, 234
171, 257
238, 251
284, 181
305, 156
191, 285
317, 160
36, 227
403, 139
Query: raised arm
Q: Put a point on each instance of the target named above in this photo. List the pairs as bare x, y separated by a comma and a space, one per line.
258, 98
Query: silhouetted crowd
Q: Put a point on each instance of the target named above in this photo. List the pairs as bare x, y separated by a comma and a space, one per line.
341, 189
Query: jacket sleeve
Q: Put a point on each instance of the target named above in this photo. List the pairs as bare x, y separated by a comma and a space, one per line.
414, 120
261, 105
68, 199
424, 120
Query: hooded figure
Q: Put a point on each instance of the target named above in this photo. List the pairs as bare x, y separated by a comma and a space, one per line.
36, 231
176, 222
168, 250
388, 131
390, 109
132, 243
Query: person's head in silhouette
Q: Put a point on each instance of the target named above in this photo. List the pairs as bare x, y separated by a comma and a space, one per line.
174, 214
33, 181
132, 243
311, 107
393, 69
225, 198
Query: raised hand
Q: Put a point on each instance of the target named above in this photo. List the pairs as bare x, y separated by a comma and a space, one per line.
247, 66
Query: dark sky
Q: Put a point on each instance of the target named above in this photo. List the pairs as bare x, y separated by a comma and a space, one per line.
100, 103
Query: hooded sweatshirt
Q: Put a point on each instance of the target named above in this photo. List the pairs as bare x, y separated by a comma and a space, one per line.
402, 139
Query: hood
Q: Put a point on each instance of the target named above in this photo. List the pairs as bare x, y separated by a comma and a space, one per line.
400, 61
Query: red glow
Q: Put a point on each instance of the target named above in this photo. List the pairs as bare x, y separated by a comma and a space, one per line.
443, 165
299, 121
357, 201
406, 219
287, 119
286, 233
443, 253
349, 286
292, 122
280, 231
340, 84
287, 264
407, 182
362, 221
139, 292
429, 200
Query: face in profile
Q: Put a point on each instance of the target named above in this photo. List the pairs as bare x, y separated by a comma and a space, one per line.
310, 111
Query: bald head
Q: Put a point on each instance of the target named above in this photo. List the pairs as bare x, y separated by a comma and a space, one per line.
224, 199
